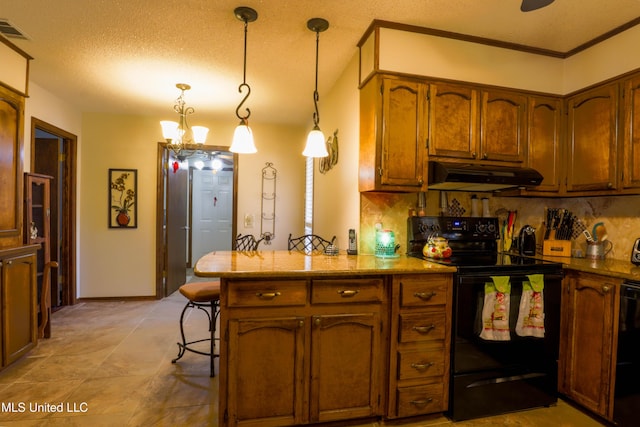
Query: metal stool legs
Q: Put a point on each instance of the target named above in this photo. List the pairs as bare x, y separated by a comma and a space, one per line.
214, 305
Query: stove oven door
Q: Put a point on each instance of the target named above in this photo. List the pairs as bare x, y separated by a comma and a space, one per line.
489, 376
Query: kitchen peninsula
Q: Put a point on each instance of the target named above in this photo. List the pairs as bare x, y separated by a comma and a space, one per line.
318, 338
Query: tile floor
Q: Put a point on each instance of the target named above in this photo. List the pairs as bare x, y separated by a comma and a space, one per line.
109, 364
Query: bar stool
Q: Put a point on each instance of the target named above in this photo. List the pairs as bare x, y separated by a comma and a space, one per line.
204, 296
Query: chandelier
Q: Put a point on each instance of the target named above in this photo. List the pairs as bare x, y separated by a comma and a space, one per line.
178, 134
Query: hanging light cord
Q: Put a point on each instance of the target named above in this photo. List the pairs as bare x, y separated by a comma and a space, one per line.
244, 80
316, 96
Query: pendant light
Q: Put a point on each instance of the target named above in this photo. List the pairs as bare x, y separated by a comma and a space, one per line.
316, 145
243, 137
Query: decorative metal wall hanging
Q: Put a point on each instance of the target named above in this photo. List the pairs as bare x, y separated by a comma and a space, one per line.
327, 163
268, 204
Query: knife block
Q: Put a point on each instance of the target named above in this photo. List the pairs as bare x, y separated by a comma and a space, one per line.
556, 248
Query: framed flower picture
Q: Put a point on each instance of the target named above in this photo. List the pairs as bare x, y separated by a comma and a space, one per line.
123, 198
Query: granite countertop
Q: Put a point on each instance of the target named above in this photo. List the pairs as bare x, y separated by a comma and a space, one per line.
236, 264
607, 267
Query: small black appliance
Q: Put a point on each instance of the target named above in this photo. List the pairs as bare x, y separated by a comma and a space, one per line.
527, 241
635, 253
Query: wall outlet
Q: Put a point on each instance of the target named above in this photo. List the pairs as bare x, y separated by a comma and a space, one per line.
248, 220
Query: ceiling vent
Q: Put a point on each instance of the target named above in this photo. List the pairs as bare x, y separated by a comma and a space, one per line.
9, 30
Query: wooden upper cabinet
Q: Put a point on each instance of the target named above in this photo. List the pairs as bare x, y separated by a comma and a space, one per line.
544, 140
453, 121
503, 125
393, 135
592, 140
630, 160
11, 125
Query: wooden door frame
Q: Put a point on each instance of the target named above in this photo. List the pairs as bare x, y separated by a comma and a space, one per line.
162, 172
68, 208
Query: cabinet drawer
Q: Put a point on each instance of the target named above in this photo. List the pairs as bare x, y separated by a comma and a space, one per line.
347, 291
420, 400
424, 290
420, 363
422, 327
266, 293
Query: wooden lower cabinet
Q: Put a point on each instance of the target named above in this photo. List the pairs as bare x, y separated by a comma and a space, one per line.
301, 351
18, 296
588, 340
420, 336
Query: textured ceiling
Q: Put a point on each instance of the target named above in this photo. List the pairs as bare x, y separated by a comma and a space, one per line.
125, 56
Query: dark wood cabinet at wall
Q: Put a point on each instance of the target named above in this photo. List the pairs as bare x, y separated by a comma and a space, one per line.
630, 153
503, 126
11, 131
584, 144
18, 318
593, 140
588, 340
393, 126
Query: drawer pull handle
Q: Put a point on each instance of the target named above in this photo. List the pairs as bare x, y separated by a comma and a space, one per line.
267, 295
423, 402
422, 366
425, 296
424, 329
348, 293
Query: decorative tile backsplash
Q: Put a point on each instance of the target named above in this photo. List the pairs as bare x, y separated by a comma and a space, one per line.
620, 215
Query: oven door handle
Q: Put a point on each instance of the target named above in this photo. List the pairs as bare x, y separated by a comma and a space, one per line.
507, 379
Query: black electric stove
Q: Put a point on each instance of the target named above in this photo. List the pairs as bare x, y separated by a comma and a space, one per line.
492, 377
474, 245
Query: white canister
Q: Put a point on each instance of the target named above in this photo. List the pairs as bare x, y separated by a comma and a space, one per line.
485, 207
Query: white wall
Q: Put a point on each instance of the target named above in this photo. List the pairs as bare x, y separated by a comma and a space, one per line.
337, 200
121, 262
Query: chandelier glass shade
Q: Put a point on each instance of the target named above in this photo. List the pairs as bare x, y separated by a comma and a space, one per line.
316, 145
178, 134
243, 136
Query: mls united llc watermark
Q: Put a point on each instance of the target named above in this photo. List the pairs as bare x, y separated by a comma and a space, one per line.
21, 407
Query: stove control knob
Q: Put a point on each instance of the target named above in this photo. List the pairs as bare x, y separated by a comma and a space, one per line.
423, 228
492, 228
481, 228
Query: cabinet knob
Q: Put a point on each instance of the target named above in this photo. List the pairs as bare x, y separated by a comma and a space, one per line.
606, 288
348, 293
420, 181
424, 329
301, 323
485, 156
425, 296
317, 321
422, 402
609, 185
422, 366
267, 295
474, 154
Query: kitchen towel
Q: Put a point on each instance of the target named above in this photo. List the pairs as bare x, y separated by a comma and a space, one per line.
495, 312
531, 313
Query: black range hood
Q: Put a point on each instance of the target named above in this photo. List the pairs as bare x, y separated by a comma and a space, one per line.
451, 176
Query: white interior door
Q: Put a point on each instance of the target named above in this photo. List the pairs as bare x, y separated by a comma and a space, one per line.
212, 212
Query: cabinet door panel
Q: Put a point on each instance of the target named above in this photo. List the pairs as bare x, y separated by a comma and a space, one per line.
403, 136
588, 362
503, 126
11, 117
593, 140
266, 365
453, 121
19, 306
345, 366
631, 157
544, 140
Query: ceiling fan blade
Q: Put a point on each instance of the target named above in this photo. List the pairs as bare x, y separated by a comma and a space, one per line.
529, 5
